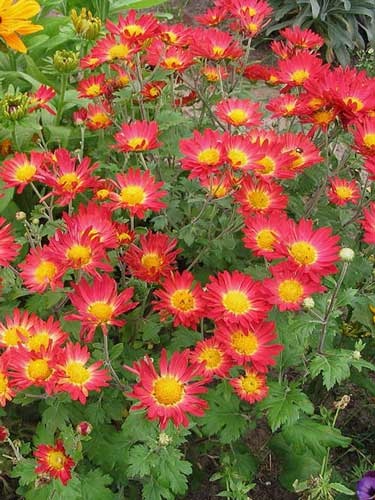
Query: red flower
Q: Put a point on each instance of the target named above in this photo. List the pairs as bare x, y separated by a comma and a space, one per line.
260, 197
40, 271
212, 17
175, 34
263, 233
93, 86
364, 136
20, 170
250, 344
138, 192
214, 74
288, 288
137, 136
133, 28
98, 116
16, 329
302, 38
252, 8
239, 112
212, 358
74, 377
251, 387
299, 69
7, 391
368, 224
215, 45
302, 151
284, 105
8, 247
180, 298
152, 90
66, 177
170, 395
54, 461
39, 99
203, 153
44, 334
312, 251
154, 259
111, 48
99, 304
235, 298
343, 191
240, 153
169, 58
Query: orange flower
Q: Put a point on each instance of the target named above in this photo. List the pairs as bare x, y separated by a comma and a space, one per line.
14, 16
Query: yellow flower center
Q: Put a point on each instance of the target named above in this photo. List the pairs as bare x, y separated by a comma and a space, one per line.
154, 91
244, 344
77, 373
268, 165
209, 156
93, 90
299, 76
217, 51
168, 391
133, 195
252, 27
45, 271
250, 383
183, 300
102, 311
298, 161
100, 119
354, 100
315, 103
56, 459
25, 172
290, 291
38, 369
237, 158
369, 140
79, 254
172, 62
266, 239
289, 107
12, 336
251, 11
258, 199
169, 37
324, 117
238, 116
102, 194
303, 253
133, 30
3, 384
344, 192
236, 302
119, 51
138, 143
218, 190
37, 341
69, 182
152, 261
212, 357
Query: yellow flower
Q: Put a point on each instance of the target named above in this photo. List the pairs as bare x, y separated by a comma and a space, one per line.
14, 21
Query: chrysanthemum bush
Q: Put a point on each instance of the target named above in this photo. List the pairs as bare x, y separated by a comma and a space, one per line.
181, 262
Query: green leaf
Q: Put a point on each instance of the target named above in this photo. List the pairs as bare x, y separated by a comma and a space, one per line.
333, 365
285, 403
139, 461
172, 470
223, 416
117, 7
116, 351
25, 470
342, 489
94, 485
152, 490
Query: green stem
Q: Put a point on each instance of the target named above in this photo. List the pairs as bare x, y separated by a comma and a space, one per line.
60, 106
330, 307
107, 362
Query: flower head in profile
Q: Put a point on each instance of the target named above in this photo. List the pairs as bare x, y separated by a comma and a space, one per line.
8, 247
53, 461
99, 304
171, 393
15, 22
39, 99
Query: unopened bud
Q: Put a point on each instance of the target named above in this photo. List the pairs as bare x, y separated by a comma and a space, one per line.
356, 355
4, 433
20, 216
14, 106
85, 24
342, 403
65, 61
347, 254
308, 303
35, 222
84, 428
164, 439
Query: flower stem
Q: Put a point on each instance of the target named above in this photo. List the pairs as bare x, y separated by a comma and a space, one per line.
60, 106
107, 362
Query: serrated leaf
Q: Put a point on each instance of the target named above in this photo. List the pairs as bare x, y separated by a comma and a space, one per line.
94, 485
223, 416
333, 365
172, 470
25, 471
284, 404
139, 461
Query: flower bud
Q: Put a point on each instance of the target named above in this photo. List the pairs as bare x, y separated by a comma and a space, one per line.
14, 106
308, 303
4, 433
342, 403
20, 216
35, 222
85, 24
65, 61
356, 355
347, 254
164, 439
84, 428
